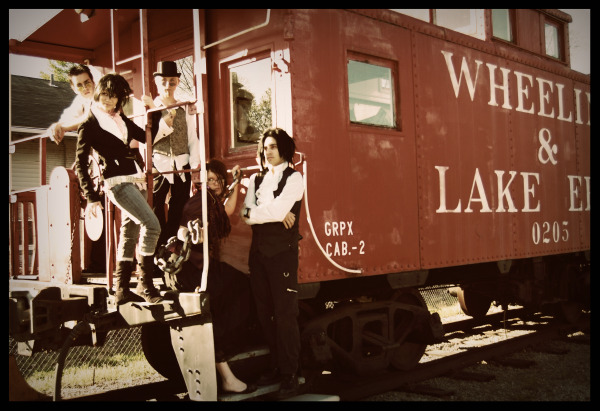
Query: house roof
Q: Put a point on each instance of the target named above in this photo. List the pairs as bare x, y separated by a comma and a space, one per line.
36, 103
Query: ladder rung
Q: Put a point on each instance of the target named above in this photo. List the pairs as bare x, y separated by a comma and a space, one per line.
128, 59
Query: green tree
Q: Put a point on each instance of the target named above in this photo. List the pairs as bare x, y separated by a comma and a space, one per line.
60, 69
186, 81
260, 115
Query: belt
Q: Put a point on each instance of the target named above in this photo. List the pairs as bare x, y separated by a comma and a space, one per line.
135, 179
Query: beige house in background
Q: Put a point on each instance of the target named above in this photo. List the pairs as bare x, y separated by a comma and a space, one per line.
35, 105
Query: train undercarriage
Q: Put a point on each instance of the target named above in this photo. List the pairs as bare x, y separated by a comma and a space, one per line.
354, 333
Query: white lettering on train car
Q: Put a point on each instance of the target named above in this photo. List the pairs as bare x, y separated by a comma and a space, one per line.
478, 192
341, 248
535, 96
546, 92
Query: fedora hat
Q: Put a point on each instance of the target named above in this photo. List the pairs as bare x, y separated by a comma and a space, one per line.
166, 69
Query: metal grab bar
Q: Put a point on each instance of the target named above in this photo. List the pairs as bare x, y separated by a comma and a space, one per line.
266, 22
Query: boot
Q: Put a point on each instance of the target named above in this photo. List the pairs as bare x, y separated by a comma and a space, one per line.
121, 276
145, 286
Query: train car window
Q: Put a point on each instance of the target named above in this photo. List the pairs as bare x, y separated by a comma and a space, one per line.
371, 94
502, 24
250, 100
466, 21
185, 89
552, 34
421, 14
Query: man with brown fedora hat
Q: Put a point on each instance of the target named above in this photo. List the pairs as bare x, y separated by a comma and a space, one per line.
174, 147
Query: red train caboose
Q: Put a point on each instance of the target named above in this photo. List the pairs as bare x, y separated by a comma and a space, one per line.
450, 154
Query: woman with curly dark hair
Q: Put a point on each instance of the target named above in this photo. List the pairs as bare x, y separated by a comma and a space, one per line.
108, 131
229, 289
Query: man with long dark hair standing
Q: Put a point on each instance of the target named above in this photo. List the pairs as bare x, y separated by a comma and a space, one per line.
272, 208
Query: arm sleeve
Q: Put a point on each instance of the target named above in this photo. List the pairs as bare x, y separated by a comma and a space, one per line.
250, 199
82, 154
276, 210
75, 114
137, 133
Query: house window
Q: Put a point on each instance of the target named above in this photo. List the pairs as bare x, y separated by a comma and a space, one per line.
371, 93
502, 24
250, 100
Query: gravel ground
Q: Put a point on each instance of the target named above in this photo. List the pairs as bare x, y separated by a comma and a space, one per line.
554, 377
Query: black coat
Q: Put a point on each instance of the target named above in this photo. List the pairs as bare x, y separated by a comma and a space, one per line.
116, 158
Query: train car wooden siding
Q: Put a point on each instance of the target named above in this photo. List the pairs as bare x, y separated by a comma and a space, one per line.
478, 155
502, 148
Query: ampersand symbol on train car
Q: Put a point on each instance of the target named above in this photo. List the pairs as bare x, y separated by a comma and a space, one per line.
546, 152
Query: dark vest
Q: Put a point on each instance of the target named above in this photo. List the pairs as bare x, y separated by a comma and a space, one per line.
273, 238
175, 143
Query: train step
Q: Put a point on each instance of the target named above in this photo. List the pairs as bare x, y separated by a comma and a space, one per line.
260, 391
253, 352
314, 397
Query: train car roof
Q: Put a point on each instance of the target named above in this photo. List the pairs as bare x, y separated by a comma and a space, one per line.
39, 33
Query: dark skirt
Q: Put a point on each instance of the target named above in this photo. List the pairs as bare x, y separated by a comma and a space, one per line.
231, 305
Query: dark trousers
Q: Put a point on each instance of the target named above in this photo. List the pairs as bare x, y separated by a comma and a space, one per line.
274, 282
180, 193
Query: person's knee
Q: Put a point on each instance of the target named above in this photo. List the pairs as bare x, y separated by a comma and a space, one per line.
152, 226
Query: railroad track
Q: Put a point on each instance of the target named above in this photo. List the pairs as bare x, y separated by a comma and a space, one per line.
437, 361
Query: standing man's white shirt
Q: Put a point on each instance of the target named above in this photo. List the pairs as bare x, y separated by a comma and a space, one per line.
75, 114
264, 208
165, 163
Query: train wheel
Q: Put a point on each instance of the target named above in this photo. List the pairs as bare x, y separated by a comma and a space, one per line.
571, 311
474, 303
567, 311
158, 349
407, 355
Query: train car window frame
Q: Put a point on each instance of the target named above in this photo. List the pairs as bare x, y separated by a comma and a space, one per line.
258, 109
553, 35
503, 24
362, 110
421, 14
466, 21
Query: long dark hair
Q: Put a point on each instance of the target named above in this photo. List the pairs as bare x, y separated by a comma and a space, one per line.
285, 144
116, 86
220, 170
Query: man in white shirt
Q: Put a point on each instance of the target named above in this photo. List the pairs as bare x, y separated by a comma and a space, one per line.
175, 146
272, 209
82, 84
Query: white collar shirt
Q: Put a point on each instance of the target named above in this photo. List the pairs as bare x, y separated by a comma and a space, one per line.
114, 125
265, 208
77, 112
168, 163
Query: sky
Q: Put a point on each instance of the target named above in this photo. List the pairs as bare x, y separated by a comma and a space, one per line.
579, 38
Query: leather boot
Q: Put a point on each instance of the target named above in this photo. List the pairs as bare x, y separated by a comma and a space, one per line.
121, 277
145, 286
